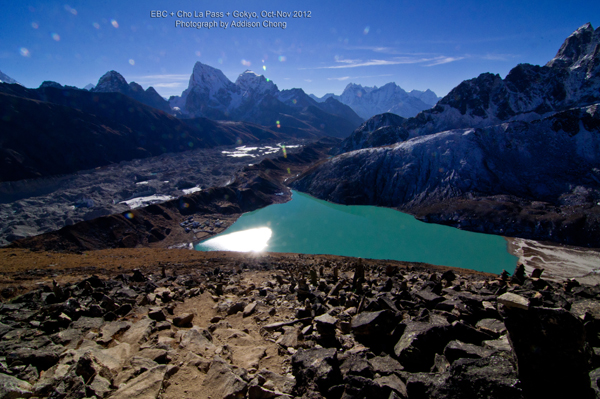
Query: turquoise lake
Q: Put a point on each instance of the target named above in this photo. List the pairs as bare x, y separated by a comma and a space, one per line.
311, 226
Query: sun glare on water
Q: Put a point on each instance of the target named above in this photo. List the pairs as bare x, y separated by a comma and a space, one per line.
254, 240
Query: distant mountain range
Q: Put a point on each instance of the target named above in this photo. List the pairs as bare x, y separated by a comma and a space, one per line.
59, 129
54, 130
370, 101
113, 82
525, 145
254, 98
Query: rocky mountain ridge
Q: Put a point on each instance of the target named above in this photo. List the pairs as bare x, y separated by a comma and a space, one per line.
114, 82
254, 98
533, 136
38, 127
529, 92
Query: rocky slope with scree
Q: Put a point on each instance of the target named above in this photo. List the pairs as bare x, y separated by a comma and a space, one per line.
294, 326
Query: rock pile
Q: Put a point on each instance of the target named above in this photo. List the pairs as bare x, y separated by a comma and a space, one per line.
307, 328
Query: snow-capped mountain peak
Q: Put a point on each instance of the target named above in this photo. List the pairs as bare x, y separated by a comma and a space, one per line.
581, 46
111, 81
250, 82
208, 78
7, 79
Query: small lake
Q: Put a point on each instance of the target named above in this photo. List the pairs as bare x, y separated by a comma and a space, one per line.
311, 226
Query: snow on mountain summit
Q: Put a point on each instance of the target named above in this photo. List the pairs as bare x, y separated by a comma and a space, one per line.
208, 78
7, 79
250, 82
111, 81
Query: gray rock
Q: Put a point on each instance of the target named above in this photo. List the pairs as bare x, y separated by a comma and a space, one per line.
249, 309
356, 364
100, 386
141, 364
561, 354
160, 356
281, 324
368, 323
198, 341
391, 383
491, 325
258, 392
111, 329
12, 388
457, 350
157, 314
385, 365
326, 324
223, 382
316, 369
277, 382
236, 307
416, 348
185, 320
145, 386
500, 344
511, 300
290, 337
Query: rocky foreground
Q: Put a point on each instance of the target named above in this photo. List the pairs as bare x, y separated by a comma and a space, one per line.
295, 326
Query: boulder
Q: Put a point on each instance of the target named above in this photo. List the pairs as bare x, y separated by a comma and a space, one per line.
457, 350
12, 387
551, 351
326, 324
185, 320
157, 314
511, 300
315, 369
493, 326
223, 382
493, 377
145, 386
198, 341
418, 345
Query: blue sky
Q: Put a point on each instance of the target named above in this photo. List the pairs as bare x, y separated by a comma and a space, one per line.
417, 44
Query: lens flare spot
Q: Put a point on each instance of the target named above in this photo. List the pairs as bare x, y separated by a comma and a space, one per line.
56, 37
220, 61
294, 101
34, 25
289, 171
441, 170
264, 67
254, 240
68, 8
198, 54
129, 215
284, 151
24, 52
268, 80
96, 25
131, 61
190, 144
366, 30
114, 23
281, 58
246, 63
